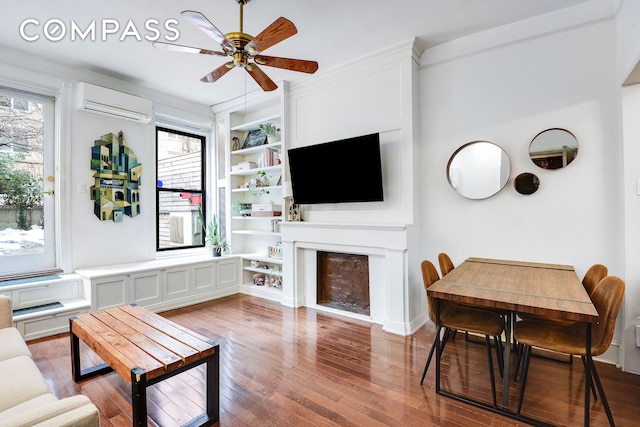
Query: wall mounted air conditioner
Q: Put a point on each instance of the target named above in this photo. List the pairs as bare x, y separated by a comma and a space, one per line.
101, 100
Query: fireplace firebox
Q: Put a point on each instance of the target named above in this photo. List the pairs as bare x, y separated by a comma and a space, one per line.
343, 282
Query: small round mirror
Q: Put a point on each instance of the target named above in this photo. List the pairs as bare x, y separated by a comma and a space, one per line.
478, 170
553, 148
526, 183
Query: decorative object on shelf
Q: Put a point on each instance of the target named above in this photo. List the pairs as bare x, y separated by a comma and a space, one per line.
294, 212
243, 166
212, 237
270, 130
254, 138
115, 192
235, 143
255, 263
258, 279
258, 184
266, 209
244, 49
526, 183
553, 148
287, 195
275, 251
241, 208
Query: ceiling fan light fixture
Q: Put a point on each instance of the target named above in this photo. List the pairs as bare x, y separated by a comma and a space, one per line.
243, 48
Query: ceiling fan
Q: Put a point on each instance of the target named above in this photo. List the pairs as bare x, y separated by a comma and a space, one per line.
244, 48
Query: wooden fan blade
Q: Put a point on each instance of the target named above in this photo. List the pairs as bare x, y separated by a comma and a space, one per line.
279, 30
261, 78
187, 49
217, 73
288, 63
200, 21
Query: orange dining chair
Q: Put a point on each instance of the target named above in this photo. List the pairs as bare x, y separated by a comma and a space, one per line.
570, 337
446, 265
456, 317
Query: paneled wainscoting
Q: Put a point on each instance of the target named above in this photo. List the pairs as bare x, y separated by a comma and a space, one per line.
281, 366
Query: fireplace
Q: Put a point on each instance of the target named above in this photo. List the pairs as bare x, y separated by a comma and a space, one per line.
343, 282
396, 294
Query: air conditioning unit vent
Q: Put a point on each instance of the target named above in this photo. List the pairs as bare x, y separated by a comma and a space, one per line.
109, 102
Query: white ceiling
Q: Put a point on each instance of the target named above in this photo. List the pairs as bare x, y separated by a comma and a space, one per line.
331, 32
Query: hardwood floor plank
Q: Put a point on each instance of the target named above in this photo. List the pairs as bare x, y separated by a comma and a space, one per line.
281, 366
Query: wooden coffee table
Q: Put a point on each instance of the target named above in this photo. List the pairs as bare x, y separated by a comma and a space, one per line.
144, 349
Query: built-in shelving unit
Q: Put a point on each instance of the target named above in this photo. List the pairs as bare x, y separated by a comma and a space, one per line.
255, 175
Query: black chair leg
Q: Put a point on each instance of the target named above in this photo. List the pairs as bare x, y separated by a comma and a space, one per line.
499, 353
593, 387
493, 380
605, 403
447, 332
519, 351
523, 379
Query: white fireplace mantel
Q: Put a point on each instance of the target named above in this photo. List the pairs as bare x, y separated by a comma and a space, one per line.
397, 297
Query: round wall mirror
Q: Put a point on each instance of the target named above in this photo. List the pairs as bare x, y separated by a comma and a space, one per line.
553, 148
526, 183
478, 170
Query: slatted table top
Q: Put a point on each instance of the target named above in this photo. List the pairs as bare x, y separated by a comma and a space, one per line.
129, 337
547, 289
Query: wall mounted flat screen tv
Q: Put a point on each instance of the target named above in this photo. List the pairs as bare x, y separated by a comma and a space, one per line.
347, 170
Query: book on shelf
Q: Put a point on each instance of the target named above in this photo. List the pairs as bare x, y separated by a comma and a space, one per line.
272, 157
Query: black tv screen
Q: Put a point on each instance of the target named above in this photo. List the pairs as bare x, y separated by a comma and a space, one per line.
347, 170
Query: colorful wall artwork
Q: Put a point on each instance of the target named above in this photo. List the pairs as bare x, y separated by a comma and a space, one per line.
117, 178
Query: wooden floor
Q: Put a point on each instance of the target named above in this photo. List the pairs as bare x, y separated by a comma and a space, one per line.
301, 367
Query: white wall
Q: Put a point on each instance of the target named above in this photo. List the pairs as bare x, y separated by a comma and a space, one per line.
505, 86
87, 241
628, 57
371, 95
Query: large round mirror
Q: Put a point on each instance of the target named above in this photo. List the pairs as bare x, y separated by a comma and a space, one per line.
479, 169
553, 148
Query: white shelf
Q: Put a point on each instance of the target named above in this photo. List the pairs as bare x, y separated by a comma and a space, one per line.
255, 124
255, 218
251, 236
256, 149
256, 233
276, 168
263, 271
244, 190
261, 258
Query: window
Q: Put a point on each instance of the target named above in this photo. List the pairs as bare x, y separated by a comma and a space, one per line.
27, 199
180, 187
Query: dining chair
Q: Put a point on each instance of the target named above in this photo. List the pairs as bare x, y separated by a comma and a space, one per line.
446, 265
570, 338
456, 317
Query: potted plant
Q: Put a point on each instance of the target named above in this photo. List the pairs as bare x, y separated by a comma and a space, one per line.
212, 237
270, 130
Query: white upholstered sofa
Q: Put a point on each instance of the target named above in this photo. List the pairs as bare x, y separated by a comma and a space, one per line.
25, 398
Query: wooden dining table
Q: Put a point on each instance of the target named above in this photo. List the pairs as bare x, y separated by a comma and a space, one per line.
516, 286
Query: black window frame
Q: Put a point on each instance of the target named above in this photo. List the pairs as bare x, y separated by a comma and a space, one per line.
202, 192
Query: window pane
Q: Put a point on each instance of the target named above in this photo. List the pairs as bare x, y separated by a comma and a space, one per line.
178, 219
21, 176
179, 161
